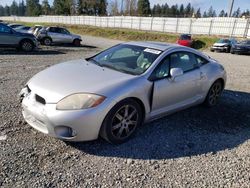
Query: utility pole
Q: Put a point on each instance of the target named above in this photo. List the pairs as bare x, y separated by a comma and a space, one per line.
122, 8
230, 10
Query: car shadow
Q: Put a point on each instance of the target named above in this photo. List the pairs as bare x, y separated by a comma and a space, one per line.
35, 52
195, 131
73, 46
198, 44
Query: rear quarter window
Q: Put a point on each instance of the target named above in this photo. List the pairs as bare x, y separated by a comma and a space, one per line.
200, 60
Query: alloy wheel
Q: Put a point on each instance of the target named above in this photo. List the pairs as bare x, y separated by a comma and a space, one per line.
215, 93
124, 122
27, 46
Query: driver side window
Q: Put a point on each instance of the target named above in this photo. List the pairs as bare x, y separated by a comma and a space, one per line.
184, 60
162, 70
4, 29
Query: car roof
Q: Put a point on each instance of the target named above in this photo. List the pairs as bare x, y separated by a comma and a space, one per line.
163, 46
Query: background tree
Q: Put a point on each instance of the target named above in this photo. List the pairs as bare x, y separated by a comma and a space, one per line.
205, 14
33, 7
114, 8
14, 8
237, 13
198, 13
1, 10
21, 8
210, 12
188, 10
222, 13
182, 10
144, 8
62, 7
102, 7
45, 7
133, 7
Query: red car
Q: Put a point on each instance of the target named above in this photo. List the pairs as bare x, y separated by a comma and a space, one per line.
185, 40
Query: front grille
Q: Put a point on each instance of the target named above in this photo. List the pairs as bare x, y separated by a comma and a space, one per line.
40, 99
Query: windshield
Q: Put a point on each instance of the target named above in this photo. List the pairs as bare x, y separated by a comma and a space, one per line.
223, 41
127, 58
185, 37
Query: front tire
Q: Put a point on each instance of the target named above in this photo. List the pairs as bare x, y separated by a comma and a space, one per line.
77, 42
27, 46
122, 121
214, 94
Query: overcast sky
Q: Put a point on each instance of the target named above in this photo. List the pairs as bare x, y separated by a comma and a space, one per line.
203, 4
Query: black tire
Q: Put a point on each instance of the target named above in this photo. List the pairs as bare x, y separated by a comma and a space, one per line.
77, 42
119, 126
47, 41
214, 94
211, 50
26, 45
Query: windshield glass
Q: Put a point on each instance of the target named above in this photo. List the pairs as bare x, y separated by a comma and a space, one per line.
127, 58
223, 41
185, 37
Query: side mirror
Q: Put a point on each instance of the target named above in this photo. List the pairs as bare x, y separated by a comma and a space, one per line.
175, 72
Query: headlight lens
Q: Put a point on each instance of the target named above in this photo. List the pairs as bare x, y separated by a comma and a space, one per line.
79, 101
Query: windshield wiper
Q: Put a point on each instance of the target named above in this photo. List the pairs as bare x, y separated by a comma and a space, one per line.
95, 62
117, 69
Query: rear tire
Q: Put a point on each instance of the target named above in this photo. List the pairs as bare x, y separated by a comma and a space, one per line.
122, 121
214, 94
27, 46
77, 42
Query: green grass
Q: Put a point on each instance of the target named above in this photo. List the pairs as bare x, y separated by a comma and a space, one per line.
201, 41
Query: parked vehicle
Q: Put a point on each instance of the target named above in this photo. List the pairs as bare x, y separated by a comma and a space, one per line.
14, 25
34, 30
11, 38
185, 40
50, 35
242, 47
223, 45
22, 29
115, 91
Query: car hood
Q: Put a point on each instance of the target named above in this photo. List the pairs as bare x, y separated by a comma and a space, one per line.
61, 80
24, 34
220, 44
76, 36
242, 45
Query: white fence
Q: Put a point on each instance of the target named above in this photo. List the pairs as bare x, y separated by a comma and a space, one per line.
233, 27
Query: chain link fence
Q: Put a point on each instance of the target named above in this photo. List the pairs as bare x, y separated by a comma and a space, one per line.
232, 27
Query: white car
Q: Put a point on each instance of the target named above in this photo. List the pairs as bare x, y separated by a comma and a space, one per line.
50, 35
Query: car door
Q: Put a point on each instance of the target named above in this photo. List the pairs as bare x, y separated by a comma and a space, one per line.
55, 34
171, 94
7, 36
66, 36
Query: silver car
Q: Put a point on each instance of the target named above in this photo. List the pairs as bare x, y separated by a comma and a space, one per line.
50, 35
112, 93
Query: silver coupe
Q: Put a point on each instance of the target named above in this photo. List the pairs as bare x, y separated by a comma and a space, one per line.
112, 93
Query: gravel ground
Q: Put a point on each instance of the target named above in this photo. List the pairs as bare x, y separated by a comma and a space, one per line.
198, 147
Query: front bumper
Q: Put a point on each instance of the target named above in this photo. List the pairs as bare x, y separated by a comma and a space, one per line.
85, 124
220, 48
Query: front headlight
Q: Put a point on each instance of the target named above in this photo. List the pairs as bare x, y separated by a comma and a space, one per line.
79, 101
